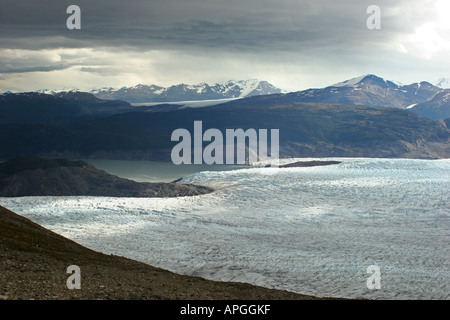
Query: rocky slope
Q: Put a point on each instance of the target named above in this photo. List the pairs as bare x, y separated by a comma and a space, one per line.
34, 261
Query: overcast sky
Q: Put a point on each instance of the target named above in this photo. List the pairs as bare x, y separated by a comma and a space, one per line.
294, 44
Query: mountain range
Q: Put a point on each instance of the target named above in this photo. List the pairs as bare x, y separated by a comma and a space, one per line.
422, 98
365, 116
184, 92
306, 130
368, 90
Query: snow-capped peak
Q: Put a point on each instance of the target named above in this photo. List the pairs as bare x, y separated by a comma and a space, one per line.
53, 91
186, 92
244, 87
368, 80
351, 82
105, 89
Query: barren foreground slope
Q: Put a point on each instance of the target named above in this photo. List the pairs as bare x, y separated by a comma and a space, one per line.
34, 261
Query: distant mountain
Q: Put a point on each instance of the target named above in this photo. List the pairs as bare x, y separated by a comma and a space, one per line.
372, 90
306, 130
344, 123
66, 107
368, 90
58, 108
54, 91
437, 108
183, 92
93, 105
31, 176
34, 108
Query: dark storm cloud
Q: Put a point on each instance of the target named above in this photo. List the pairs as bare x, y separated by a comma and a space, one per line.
168, 41
24, 69
242, 25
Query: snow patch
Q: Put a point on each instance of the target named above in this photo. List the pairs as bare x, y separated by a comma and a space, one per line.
350, 83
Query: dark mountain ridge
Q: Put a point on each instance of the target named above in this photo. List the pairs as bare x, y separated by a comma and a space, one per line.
306, 130
368, 90
80, 125
32, 107
58, 109
422, 98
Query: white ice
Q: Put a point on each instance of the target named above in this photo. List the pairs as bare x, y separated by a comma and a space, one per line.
309, 230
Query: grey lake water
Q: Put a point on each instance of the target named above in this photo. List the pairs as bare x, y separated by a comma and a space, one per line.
309, 230
154, 171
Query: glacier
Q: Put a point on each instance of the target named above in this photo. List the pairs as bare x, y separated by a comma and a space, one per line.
311, 230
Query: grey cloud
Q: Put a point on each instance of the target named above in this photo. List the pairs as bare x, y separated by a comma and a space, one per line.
233, 25
25, 69
308, 33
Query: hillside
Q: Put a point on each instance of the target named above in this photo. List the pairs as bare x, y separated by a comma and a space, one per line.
437, 108
306, 130
37, 108
58, 109
34, 260
30, 176
367, 90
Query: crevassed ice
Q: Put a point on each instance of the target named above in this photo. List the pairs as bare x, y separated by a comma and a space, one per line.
310, 230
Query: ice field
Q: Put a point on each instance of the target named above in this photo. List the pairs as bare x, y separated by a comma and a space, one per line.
310, 230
